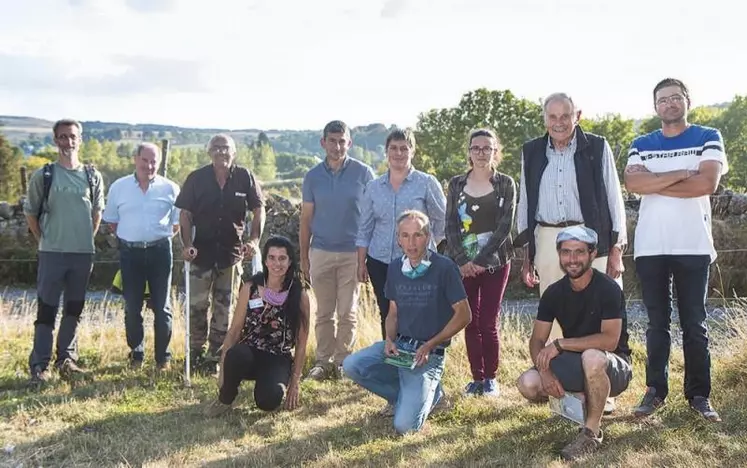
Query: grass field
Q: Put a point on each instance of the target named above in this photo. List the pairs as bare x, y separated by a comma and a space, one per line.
129, 418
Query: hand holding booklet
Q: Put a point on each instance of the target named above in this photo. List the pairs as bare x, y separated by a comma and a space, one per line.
404, 359
571, 406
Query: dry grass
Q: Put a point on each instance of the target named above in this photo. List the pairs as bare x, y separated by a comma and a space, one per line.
127, 418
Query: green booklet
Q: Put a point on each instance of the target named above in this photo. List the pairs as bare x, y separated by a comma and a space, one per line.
405, 360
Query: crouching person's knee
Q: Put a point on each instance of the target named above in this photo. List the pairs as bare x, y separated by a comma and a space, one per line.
594, 362
269, 398
404, 424
530, 386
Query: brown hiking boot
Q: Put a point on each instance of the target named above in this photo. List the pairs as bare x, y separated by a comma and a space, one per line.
216, 408
71, 372
163, 366
585, 443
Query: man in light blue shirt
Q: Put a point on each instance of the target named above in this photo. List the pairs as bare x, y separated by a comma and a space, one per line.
141, 210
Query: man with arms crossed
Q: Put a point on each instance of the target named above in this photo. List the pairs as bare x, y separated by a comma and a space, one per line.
428, 306
330, 216
675, 169
141, 210
593, 356
70, 217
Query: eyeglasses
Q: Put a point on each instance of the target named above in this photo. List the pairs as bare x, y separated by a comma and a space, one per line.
485, 150
675, 99
220, 149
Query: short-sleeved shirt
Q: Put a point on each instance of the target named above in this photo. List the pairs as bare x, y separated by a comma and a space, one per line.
67, 223
219, 215
671, 225
580, 313
336, 196
142, 216
425, 304
381, 206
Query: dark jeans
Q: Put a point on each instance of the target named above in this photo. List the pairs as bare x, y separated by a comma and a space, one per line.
58, 272
485, 294
690, 275
377, 273
270, 371
138, 265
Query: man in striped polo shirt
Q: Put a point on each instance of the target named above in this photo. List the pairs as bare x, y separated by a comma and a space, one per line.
675, 169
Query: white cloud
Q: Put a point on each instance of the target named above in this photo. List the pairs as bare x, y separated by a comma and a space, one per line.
298, 63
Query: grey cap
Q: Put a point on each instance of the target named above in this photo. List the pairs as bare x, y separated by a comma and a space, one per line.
577, 233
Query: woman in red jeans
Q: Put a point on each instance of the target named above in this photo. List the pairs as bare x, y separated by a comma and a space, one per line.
479, 214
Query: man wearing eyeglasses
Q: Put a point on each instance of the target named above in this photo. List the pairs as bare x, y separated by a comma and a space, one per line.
675, 170
216, 199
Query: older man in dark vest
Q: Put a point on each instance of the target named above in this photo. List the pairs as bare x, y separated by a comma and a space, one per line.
568, 177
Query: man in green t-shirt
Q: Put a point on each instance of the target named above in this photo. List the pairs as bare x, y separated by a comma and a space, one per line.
63, 223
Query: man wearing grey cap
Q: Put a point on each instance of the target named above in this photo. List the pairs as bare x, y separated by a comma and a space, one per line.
593, 356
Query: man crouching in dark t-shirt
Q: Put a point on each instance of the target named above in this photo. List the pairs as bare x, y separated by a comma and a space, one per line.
593, 356
428, 306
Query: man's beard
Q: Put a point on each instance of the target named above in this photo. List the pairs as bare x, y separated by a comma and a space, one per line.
581, 272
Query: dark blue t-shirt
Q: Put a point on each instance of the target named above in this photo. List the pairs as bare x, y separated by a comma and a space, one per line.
424, 305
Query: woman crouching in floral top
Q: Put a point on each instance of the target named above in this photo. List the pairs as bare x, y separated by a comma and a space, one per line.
271, 319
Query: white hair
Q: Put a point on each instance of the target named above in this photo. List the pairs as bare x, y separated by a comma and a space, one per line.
224, 136
557, 97
141, 146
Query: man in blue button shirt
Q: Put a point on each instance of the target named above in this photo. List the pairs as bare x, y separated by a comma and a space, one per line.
330, 217
141, 210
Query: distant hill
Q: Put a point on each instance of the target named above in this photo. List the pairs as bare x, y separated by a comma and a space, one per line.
32, 133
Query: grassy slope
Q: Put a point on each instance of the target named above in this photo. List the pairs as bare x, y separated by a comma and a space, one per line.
126, 418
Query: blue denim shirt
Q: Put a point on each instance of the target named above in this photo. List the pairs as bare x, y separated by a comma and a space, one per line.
381, 205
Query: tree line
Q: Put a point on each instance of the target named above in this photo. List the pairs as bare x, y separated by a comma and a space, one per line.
440, 133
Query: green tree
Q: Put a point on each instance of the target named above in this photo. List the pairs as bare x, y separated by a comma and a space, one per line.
264, 163
618, 132
732, 122
11, 159
441, 133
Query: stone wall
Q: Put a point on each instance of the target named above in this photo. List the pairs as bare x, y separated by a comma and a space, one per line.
728, 274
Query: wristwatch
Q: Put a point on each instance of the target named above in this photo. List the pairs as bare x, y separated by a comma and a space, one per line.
556, 342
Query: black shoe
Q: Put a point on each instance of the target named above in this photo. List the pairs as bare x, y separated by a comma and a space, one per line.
703, 406
649, 403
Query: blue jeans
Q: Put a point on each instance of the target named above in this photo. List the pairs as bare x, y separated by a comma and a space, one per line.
413, 393
152, 264
690, 276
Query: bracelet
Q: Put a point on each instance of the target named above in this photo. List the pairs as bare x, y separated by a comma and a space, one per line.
556, 342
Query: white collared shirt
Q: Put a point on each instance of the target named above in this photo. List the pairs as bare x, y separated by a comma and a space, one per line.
142, 216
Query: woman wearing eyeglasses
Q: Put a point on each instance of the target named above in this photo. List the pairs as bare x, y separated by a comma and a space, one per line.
479, 215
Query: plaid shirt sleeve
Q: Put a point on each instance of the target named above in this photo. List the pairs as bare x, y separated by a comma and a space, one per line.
453, 224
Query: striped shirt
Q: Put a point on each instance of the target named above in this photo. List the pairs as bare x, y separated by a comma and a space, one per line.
558, 193
672, 225
381, 205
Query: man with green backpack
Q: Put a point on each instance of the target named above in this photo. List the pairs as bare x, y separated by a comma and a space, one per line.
63, 210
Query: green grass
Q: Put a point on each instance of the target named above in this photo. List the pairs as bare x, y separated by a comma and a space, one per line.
128, 418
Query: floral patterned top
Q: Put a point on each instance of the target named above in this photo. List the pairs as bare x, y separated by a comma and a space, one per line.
266, 326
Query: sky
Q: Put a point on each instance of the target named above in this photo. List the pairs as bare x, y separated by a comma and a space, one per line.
297, 64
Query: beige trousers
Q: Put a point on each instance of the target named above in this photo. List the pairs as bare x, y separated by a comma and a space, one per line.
547, 263
334, 280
